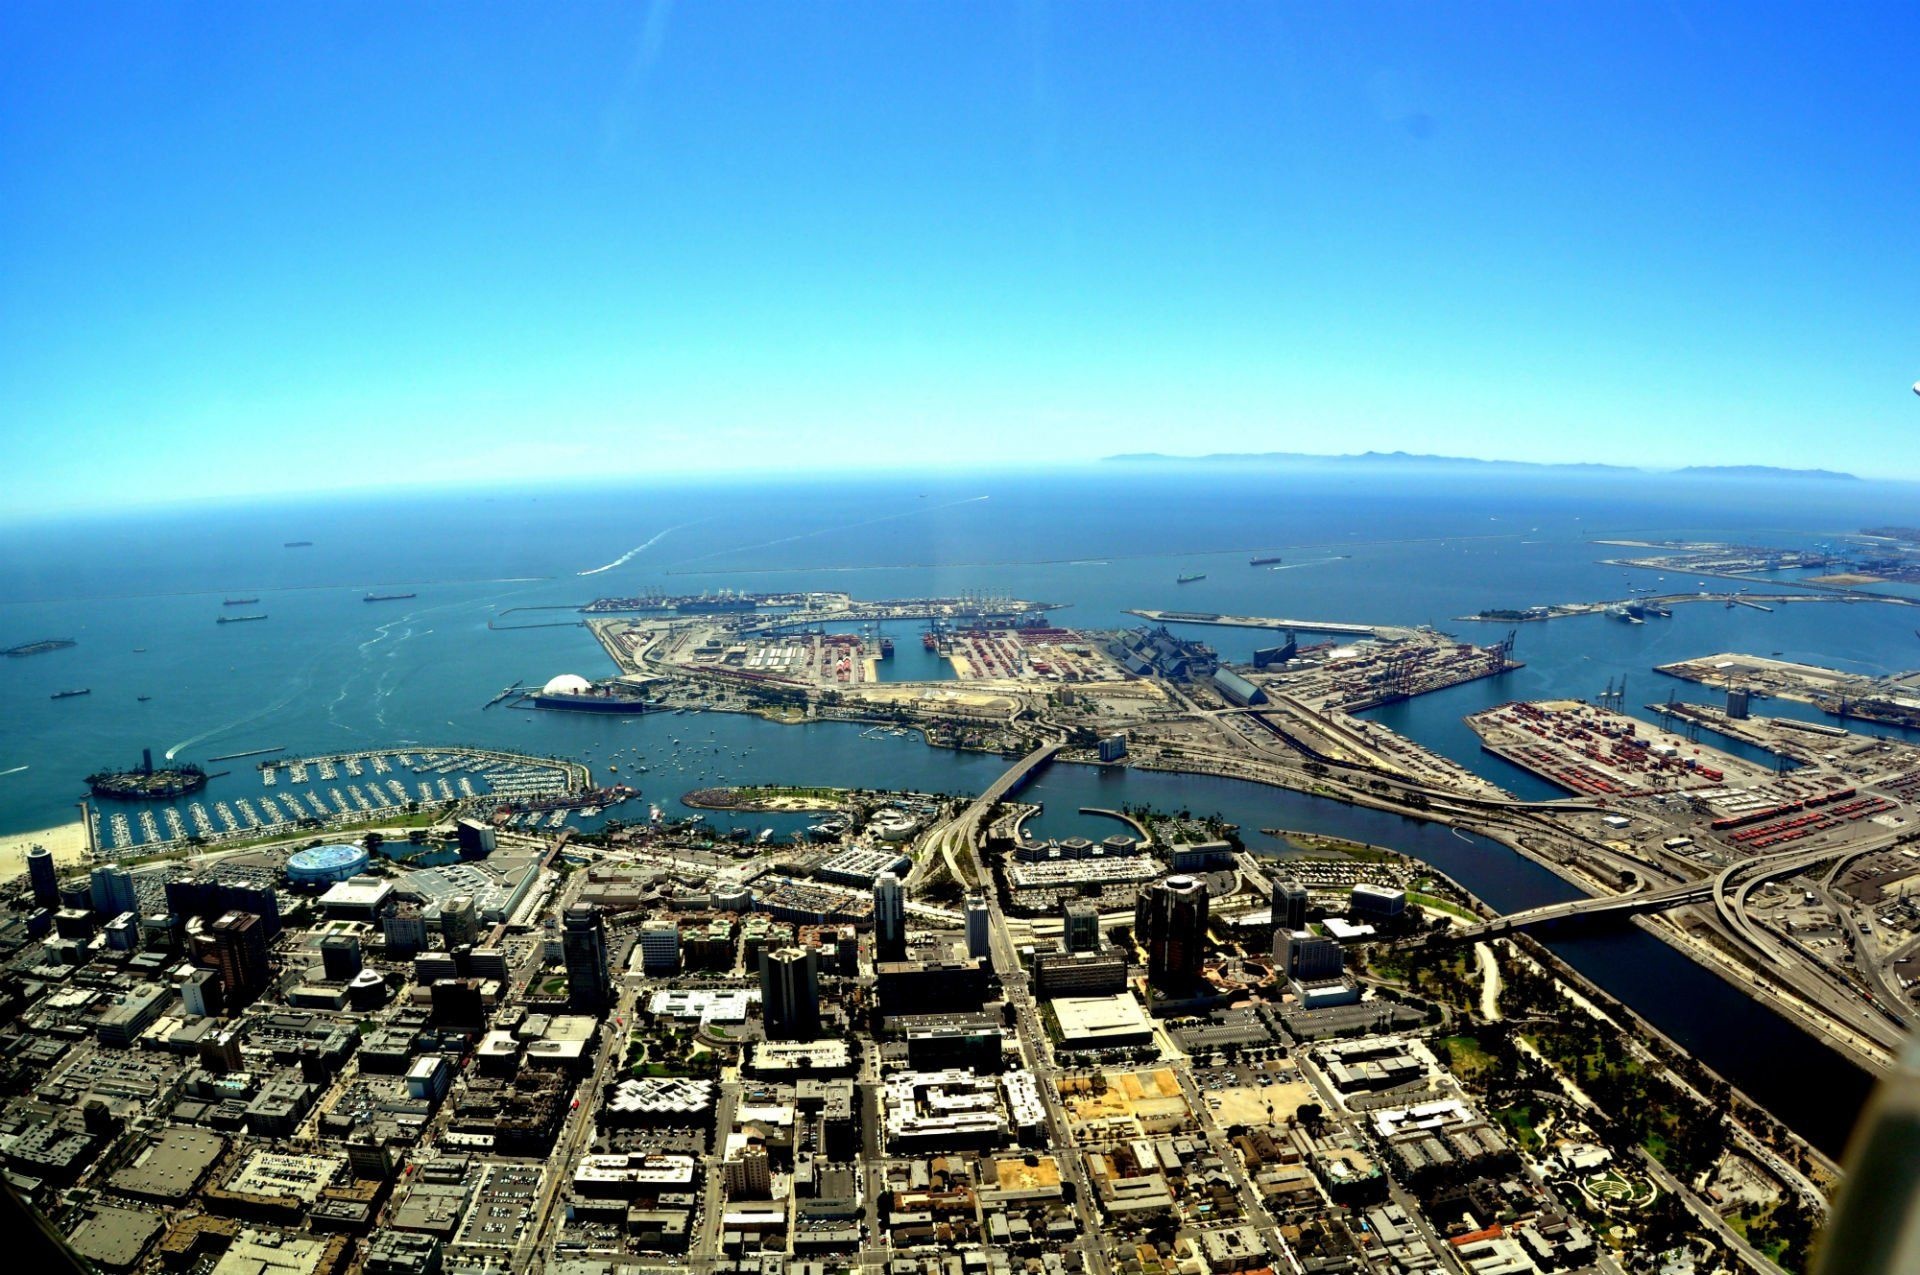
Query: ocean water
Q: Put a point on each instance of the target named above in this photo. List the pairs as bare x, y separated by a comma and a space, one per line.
140, 593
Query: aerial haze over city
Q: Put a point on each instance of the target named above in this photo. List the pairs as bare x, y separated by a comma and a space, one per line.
1020, 640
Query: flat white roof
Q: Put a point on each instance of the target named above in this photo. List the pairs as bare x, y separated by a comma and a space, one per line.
1082, 1017
358, 892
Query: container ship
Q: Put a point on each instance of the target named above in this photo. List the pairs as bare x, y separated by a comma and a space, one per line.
238, 619
886, 648
1189, 579
388, 597
1264, 562
85, 690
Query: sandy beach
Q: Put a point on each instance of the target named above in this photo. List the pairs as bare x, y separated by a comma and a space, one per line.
68, 843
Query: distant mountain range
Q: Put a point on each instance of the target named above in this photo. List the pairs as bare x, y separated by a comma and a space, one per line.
1411, 460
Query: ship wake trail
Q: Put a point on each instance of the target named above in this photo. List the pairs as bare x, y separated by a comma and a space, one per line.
635, 552
16, 770
306, 682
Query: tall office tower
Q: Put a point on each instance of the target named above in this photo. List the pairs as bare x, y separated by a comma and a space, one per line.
240, 954
747, 1175
889, 918
1079, 925
459, 921
660, 945
113, 891
405, 930
1307, 958
1289, 904
476, 840
1170, 921
46, 881
200, 992
979, 928
790, 993
340, 953
584, 944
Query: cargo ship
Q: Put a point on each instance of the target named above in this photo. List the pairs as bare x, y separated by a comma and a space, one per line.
388, 597
238, 619
41, 647
886, 648
1189, 579
85, 690
238, 602
298, 544
1264, 562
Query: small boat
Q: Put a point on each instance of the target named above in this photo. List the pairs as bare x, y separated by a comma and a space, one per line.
143, 698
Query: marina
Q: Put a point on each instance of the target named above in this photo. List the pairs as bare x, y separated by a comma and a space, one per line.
310, 794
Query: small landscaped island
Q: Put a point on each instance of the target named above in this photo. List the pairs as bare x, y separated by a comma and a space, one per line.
764, 798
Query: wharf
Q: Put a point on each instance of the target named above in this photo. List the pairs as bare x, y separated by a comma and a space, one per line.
1383, 632
915, 609
1593, 751
1861, 756
251, 752
1894, 700
1566, 610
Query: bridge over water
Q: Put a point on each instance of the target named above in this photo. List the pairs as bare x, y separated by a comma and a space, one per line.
1654, 900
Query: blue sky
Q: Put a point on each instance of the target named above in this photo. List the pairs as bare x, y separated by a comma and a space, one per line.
257, 248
